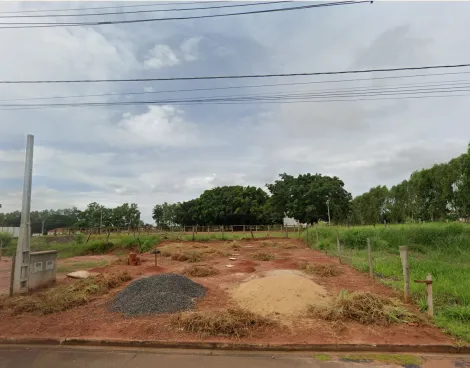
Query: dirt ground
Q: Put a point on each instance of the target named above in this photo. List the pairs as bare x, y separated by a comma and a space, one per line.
95, 321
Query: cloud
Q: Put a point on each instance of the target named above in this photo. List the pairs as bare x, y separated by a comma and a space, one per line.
189, 47
160, 56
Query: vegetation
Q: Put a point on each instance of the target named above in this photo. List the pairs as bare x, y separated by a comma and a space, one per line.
200, 271
262, 256
404, 360
5, 240
322, 357
65, 296
233, 322
438, 193
75, 266
94, 216
438, 248
324, 270
363, 307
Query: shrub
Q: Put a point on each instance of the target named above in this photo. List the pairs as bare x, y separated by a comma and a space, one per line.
6, 239
79, 238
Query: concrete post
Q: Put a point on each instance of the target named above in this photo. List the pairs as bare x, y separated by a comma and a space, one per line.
21, 265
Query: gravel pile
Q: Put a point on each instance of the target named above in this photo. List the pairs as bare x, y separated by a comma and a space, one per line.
165, 293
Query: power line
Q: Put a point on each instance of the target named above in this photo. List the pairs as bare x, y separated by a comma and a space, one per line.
238, 76
327, 96
391, 87
140, 11
249, 86
101, 23
110, 7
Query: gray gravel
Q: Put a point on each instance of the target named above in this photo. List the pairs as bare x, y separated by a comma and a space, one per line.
165, 293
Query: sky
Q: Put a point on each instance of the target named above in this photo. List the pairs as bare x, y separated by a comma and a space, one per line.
151, 154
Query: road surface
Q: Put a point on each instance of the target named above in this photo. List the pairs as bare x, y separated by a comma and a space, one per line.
15, 356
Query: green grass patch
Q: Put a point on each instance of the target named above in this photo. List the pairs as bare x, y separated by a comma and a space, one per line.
80, 265
322, 357
441, 249
399, 359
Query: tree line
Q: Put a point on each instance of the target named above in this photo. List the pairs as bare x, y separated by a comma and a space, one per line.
94, 216
305, 198
441, 192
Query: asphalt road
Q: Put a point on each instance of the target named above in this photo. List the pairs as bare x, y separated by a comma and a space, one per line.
15, 356
61, 357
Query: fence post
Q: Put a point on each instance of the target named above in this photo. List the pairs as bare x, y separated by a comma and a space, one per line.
406, 272
369, 252
339, 247
193, 233
429, 295
318, 241
1, 248
298, 229
287, 235
306, 237
222, 232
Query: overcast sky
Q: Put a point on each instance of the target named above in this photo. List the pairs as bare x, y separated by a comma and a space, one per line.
152, 154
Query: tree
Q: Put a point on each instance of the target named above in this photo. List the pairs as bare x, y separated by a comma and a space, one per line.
305, 198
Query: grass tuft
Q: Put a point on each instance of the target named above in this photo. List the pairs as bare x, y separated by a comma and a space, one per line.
365, 308
200, 271
322, 357
261, 256
399, 359
64, 297
232, 322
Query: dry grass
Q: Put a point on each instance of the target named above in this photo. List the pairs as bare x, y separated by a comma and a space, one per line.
190, 257
232, 322
64, 297
324, 270
200, 271
261, 256
235, 246
273, 244
365, 308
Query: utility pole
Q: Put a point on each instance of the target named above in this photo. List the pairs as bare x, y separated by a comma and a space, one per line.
20, 272
328, 205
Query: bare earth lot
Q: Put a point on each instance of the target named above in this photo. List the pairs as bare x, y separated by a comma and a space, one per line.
95, 321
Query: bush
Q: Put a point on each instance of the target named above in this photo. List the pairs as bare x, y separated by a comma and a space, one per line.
263, 256
79, 238
200, 271
6, 239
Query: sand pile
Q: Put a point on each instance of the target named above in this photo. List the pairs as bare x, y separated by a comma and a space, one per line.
285, 293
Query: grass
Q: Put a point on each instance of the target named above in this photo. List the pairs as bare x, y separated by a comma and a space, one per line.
75, 266
200, 271
326, 270
261, 256
63, 297
442, 249
322, 357
233, 322
365, 308
399, 359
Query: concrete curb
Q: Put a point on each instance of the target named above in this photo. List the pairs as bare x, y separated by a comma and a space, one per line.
378, 348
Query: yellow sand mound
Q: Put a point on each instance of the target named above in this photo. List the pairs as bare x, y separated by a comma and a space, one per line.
284, 293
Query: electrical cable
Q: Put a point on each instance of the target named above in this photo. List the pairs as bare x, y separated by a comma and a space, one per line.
25, 25
140, 11
450, 66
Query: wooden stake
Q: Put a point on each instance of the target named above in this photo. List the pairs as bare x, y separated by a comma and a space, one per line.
306, 236
369, 252
318, 241
406, 272
193, 233
1, 248
429, 295
287, 235
338, 245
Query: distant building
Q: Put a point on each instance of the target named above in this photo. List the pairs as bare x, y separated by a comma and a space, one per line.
58, 231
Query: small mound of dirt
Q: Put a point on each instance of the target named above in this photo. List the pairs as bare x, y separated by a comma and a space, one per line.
247, 262
244, 269
284, 293
154, 269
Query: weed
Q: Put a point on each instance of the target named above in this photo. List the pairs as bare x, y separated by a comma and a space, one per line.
191, 257
322, 357
263, 256
365, 308
64, 297
399, 359
232, 322
200, 271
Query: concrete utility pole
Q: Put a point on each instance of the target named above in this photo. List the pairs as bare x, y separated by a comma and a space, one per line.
20, 272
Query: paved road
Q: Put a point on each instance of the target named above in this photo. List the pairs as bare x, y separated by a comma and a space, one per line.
66, 357
76, 357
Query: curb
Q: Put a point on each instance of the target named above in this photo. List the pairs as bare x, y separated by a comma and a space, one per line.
379, 348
